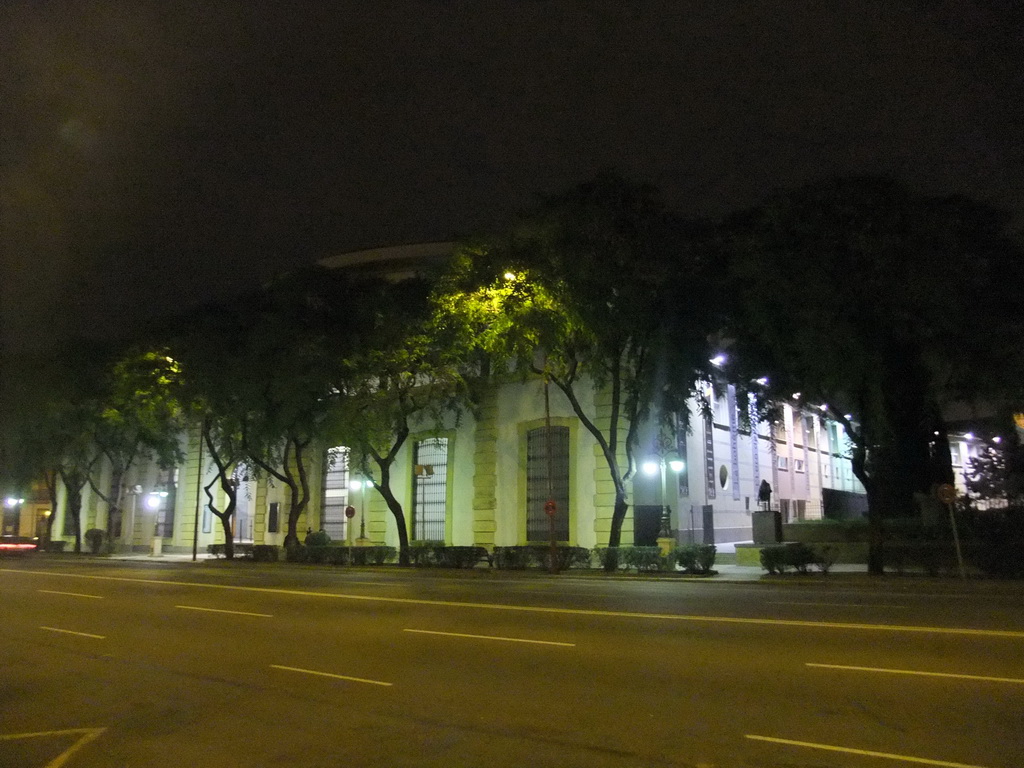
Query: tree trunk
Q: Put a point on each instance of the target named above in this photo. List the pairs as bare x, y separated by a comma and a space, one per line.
229, 537
384, 489
73, 507
615, 534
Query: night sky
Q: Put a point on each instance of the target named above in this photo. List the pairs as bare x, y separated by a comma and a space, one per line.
157, 153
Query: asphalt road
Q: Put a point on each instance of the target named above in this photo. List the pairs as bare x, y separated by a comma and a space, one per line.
108, 664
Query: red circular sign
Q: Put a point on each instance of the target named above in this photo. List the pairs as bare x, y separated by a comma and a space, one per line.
350, 512
550, 507
946, 493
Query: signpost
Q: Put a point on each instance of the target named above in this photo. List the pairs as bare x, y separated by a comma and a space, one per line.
946, 493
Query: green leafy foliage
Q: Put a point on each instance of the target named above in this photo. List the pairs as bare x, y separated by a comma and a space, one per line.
317, 539
694, 558
581, 292
916, 292
96, 539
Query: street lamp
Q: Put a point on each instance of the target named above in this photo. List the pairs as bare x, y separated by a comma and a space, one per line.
128, 539
153, 501
358, 485
661, 465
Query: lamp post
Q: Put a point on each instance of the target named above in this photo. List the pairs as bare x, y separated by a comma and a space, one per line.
153, 501
13, 503
650, 468
359, 485
128, 537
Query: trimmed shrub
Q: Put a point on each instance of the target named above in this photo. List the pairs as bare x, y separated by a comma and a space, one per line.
610, 558
55, 546
573, 557
644, 559
317, 539
694, 558
296, 553
462, 557
265, 553
512, 558
797, 555
826, 557
95, 539
424, 553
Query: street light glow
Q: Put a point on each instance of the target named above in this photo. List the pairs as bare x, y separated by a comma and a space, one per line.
718, 360
12, 502
763, 381
677, 465
649, 468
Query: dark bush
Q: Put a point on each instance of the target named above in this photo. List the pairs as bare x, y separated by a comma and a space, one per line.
694, 558
317, 539
55, 546
424, 553
95, 539
462, 557
779, 557
265, 553
296, 553
998, 549
573, 557
826, 557
513, 558
644, 559
610, 558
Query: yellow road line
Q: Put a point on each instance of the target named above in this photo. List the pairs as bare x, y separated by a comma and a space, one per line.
963, 631
837, 605
72, 632
70, 594
490, 637
222, 610
865, 752
88, 735
329, 674
919, 673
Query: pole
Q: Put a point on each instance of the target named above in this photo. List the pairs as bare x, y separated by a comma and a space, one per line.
199, 488
956, 542
550, 510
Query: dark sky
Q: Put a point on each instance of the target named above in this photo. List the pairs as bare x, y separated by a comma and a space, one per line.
154, 153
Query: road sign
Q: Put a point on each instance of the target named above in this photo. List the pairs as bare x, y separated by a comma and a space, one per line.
946, 493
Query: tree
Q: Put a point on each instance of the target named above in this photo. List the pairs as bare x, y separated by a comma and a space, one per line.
139, 417
581, 293
206, 347
877, 303
396, 372
296, 332
996, 473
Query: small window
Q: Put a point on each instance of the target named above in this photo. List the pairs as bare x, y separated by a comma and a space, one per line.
274, 518
798, 465
207, 518
723, 477
783, 462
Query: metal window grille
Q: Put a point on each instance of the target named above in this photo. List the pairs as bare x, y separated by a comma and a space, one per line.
538, 527
430, 489
335, 499
274, 517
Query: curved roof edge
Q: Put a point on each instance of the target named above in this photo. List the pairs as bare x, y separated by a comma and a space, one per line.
397, 256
